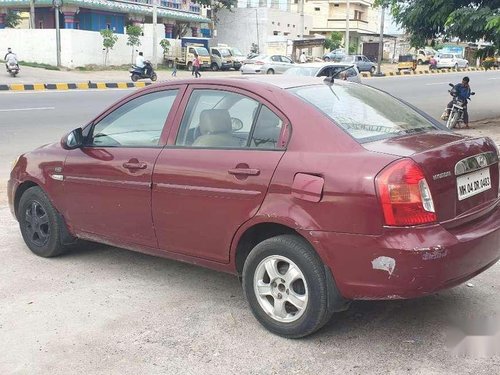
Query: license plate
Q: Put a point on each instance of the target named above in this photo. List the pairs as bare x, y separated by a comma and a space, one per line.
473, 183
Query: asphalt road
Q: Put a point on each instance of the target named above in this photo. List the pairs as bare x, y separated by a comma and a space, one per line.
430, 92
103, 310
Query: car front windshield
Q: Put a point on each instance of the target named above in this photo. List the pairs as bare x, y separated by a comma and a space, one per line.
202, 51
224, 52
236, 52
363, 112
302, 71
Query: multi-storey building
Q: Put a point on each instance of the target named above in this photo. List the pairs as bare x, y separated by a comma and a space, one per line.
330, 15
95, 15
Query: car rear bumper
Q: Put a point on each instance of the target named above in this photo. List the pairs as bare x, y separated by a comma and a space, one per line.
410, 262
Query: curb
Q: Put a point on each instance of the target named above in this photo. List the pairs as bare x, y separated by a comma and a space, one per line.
426, 72
72, 86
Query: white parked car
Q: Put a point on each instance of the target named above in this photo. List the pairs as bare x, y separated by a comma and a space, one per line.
266, 64
451, 60
326, 70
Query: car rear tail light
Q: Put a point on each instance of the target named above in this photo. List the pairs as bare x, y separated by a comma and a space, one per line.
405, 195
259, 63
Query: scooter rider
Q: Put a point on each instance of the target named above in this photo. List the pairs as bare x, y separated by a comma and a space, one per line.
463, 92
10, 57
139, 62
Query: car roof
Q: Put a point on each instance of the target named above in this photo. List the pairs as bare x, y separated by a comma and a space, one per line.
321, 64
248, 82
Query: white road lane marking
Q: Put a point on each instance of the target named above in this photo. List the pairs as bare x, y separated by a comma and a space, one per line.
436, 83
495, 78
27, 109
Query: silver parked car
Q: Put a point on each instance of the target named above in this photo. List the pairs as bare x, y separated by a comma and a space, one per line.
341, 71
363, 63
266, 64
451, 60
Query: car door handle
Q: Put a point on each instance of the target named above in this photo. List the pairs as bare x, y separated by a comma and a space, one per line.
130, 165
244, 171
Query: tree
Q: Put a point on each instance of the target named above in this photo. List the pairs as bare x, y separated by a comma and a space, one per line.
12, 19
133, 34
468, 20
334, 41
165, 44
109, 40
215, 6
180, 29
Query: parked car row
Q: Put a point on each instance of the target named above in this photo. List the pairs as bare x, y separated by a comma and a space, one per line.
279, 64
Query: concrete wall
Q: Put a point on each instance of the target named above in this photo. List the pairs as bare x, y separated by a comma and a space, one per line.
241, 26
78, 47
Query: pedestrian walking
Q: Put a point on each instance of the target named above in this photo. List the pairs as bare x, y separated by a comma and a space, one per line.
196, 66
303, 58
174, 72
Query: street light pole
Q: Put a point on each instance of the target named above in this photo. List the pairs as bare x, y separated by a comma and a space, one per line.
381, 43
347, 16
301, 26
155, 36
57, 4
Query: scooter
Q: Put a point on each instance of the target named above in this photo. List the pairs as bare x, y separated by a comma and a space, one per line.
137, 73
12, 68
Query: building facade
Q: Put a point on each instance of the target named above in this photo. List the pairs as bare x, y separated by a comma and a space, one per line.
330, 15
269, 24
95, 15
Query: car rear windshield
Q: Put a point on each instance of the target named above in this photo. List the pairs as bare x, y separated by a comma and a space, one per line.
363, 112
446, 56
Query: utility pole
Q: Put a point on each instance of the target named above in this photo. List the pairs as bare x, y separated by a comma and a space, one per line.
57, 4
155, 36
32, 14
347, 16
301, 26
381, 43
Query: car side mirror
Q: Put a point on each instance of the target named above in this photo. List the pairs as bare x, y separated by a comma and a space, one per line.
73, 140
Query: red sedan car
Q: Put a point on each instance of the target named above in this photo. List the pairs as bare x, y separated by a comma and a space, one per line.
314, 193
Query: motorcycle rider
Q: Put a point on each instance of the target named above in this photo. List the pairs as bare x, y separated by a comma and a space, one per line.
463, 93
10, 57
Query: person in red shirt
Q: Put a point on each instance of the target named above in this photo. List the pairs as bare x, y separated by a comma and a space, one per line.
196, 66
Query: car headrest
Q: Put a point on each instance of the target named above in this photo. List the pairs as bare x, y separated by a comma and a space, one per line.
213, 121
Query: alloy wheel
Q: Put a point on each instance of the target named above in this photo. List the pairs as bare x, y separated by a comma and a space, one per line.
281, 288
37, 224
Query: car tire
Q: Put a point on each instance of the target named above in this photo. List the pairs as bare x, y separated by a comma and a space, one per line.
455, 67
214, 67
42, 227
327, 59
466, 66
372, 70
420, 62
267, 268
134, 77
270, 71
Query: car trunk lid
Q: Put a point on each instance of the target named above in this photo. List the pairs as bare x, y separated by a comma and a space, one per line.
458, 191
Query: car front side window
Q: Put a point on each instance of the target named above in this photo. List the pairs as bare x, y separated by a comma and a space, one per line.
137, 123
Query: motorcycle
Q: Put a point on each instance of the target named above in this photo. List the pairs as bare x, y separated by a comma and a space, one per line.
137, 73
457, 110
12, 68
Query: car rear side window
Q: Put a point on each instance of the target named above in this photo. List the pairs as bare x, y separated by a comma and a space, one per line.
137, 123
223, 119
363, 112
